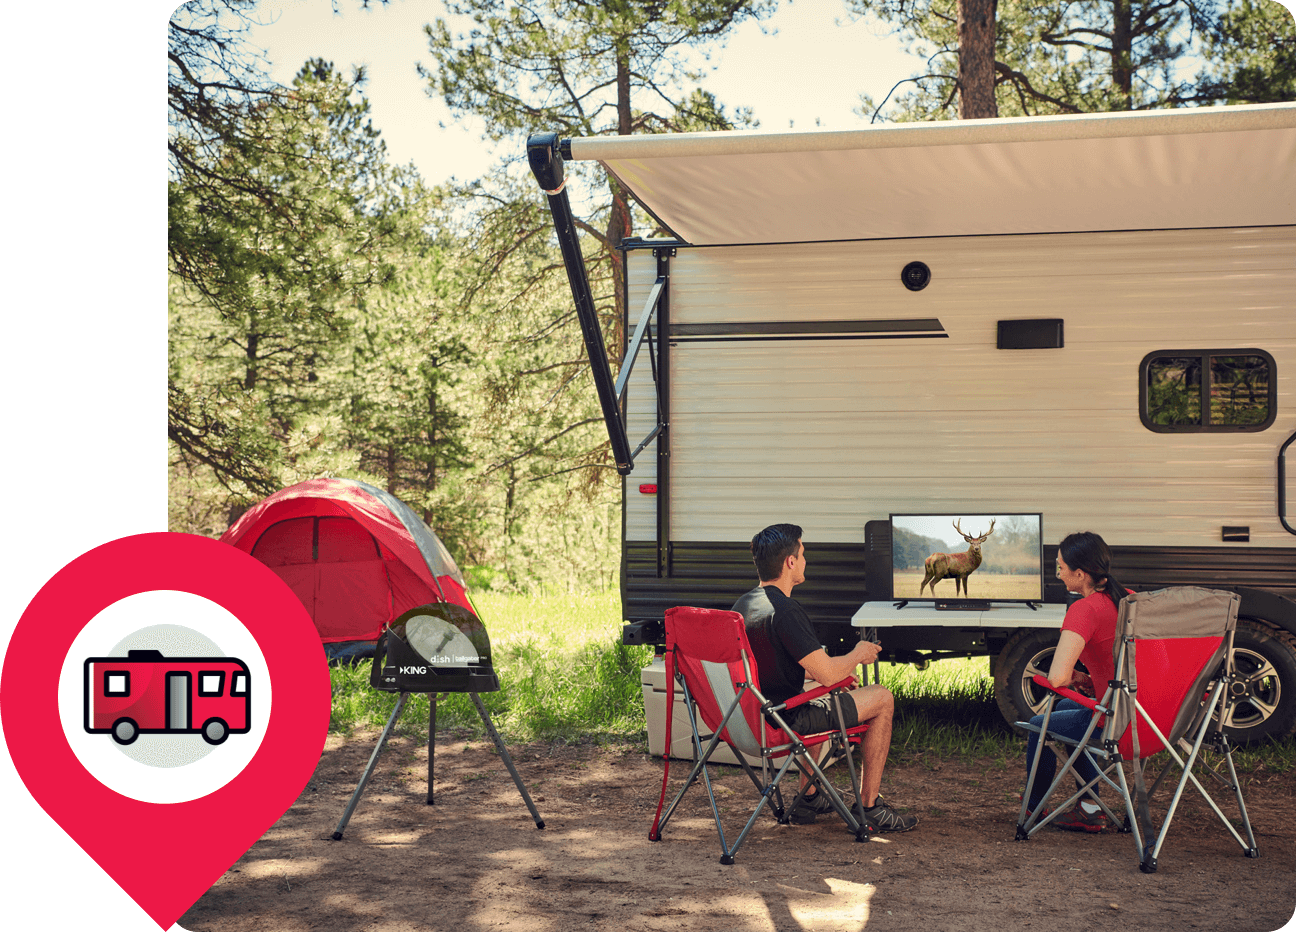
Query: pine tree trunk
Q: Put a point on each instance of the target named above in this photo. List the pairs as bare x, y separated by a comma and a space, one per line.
1122, 53
620, 224
976, 28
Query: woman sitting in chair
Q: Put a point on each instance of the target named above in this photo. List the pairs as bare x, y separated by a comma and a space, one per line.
1088, 636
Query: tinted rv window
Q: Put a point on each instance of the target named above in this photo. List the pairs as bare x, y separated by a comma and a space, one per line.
1239, 386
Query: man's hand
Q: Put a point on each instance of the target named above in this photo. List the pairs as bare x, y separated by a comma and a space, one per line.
826, 670
1082, 683
866, 652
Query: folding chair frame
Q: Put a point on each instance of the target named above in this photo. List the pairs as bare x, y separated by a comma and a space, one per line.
1104, 753
795, 752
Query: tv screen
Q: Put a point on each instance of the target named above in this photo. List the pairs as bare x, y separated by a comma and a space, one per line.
987, 557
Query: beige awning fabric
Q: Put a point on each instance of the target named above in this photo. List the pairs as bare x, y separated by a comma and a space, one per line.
1166, 169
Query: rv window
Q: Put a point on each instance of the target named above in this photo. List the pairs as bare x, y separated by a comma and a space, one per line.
1240, 387
240, 685
211, 684
117, 684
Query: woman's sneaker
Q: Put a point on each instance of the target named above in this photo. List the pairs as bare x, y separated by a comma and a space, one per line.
1078, 819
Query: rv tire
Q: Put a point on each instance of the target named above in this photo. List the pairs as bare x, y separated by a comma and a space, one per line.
1264, 657
215, 731
125, 731
1027, 652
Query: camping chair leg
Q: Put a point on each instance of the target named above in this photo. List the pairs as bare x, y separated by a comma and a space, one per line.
700, 758
728, 856
833, 797
373, 762
508, 761
1250, 850
1187, 765
860, 834
776, 807
1024, 825
1131, 822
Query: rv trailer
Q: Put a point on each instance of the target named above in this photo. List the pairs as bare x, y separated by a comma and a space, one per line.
1090, 318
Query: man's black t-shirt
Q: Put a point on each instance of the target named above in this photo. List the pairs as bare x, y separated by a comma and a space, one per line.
781, 636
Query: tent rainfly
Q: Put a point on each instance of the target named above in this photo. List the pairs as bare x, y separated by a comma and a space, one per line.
356, 556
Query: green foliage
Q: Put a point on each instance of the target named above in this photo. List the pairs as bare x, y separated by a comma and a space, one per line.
563, 674
282, 217
1095, 55
547, 488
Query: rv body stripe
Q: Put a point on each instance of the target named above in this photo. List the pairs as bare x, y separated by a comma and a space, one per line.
859, 336
806, 329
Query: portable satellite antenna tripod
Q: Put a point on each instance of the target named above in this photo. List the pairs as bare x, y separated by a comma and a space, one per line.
436, 649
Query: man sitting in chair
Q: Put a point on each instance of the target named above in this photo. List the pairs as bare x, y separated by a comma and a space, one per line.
786, 650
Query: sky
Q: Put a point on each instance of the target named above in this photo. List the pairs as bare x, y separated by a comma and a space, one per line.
804, 68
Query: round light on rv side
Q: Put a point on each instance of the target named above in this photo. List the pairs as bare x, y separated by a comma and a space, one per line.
915, 276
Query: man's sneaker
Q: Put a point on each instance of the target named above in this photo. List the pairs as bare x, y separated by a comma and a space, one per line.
805, 811
1077, 819
882, 818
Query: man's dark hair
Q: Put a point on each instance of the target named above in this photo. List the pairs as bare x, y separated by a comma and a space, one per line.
772, 546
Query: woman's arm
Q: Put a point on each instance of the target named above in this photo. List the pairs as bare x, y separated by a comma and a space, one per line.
1062, 670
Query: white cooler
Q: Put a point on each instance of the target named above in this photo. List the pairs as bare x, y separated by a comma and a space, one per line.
653, 680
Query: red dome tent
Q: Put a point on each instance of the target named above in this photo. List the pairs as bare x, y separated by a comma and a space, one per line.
356, 556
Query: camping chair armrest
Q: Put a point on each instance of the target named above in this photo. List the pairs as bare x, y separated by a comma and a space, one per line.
815, 693
1089, 703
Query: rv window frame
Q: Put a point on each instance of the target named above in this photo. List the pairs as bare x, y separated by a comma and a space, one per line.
108, 677
220, 683
1145, 415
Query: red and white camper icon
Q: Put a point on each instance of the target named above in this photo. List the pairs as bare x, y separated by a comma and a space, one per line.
147, 693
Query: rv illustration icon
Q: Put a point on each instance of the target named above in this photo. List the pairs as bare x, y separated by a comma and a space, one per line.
146, 692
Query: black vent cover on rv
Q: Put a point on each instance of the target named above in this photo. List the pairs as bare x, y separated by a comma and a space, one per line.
436, 648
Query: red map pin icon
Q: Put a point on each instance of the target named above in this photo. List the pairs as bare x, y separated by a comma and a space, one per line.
165, 856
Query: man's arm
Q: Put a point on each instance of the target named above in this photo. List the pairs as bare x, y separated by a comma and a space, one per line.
826, 670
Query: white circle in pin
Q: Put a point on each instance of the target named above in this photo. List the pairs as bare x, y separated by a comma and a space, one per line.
153, 761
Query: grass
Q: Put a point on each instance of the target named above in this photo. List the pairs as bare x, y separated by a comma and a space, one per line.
566, 676
947, 710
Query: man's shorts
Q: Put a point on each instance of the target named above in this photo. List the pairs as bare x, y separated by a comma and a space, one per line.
818, 715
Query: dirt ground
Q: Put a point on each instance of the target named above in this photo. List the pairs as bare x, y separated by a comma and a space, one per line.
475, 860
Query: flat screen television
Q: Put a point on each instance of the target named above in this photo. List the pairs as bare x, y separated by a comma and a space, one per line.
967, 556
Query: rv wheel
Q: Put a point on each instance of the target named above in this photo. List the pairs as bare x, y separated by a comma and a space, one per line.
125, 731
1028, 652
214, 731
1264, 693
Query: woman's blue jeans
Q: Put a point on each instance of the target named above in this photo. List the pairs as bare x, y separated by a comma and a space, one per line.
1069, 718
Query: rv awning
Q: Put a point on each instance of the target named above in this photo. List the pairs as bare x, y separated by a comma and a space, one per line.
1166, 169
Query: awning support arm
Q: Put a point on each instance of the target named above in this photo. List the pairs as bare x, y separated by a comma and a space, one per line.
633, 352
547, 165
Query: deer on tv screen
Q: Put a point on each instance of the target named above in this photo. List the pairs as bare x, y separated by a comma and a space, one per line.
992, 557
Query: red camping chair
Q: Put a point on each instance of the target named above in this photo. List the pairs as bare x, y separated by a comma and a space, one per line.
707, 650
1173, 654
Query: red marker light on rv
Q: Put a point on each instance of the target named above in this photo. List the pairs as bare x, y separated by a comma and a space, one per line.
647, 489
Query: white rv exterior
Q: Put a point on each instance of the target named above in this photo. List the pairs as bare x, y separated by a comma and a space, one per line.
854, 429
793, 376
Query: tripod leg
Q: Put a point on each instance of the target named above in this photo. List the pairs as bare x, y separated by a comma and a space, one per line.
508, 761
373, 762
432, 699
